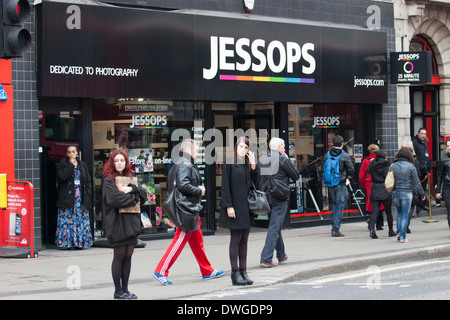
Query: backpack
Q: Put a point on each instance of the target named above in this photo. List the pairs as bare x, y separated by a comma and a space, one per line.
331, 171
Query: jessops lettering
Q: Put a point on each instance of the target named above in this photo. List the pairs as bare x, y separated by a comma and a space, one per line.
254, 55
408, 56
326, 121
148, 121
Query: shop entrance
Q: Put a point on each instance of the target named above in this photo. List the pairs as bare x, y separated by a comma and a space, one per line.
59, 129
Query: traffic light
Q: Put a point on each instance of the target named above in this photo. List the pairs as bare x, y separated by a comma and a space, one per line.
14, 37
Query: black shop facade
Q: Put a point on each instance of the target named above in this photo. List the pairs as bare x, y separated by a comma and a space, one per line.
143, 80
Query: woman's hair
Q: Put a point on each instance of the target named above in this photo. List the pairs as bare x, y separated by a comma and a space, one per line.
409, 145
405, 153
372, 148
109, 169
381, 154
247, 142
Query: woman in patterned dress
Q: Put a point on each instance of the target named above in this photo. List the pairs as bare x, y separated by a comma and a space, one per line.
75, 192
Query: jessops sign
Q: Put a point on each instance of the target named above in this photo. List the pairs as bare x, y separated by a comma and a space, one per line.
411, 67
182, 56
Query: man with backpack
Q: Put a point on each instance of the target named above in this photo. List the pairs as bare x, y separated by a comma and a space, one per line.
337, 168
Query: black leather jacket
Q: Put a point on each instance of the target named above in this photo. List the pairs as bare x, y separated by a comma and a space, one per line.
188, 179
443, 173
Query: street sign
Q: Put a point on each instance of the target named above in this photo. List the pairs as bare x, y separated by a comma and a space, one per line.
3, 96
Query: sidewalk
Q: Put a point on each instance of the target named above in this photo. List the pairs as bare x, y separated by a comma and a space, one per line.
312, 252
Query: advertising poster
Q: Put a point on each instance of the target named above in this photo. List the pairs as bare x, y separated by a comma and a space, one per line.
141, 160
16, 217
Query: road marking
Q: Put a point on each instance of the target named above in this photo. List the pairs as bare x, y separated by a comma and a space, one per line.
365, 273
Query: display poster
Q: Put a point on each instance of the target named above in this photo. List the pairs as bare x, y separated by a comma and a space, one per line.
16, 217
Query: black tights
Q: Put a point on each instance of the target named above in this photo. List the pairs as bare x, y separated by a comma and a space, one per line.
238, 248
121, 267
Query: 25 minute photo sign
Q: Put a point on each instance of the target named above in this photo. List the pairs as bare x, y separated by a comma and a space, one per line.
411, 67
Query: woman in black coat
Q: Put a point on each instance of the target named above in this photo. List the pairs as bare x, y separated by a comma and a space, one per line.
73, 228
378, 169
121, 229
235, 214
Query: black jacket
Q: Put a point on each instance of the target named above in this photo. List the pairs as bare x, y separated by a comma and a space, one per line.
121, 228
65, 173
420, 148
188, 179
443, 173
277, 167
378, 169
346, 167
236, 183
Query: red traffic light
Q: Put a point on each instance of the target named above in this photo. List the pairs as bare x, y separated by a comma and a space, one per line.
14, 36
17, 10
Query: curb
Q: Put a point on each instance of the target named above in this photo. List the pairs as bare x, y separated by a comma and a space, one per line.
435, 252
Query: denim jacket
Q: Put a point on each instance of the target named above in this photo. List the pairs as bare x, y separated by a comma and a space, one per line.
406, 178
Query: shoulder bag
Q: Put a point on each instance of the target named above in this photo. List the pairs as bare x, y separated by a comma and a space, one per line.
182, 212
389, 182
257, 201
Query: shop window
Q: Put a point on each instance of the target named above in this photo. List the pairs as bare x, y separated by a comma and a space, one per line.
311, 130
144, 128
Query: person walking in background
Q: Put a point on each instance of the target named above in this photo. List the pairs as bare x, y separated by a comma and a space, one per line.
275, 169
73, 230
121, 229
406, 180
235, 215
423, 158
443, 178
379, 196
365, 180
338, 193
189, 182
422, 174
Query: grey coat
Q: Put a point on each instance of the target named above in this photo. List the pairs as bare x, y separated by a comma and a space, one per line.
406, 178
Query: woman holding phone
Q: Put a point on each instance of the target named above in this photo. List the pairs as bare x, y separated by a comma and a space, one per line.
235, 215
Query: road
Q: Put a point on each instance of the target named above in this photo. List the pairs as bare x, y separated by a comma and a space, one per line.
418, 280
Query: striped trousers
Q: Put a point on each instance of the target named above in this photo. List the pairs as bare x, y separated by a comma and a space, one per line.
195, 240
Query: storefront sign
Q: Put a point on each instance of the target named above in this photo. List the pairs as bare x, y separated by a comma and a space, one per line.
193, 56
411, 67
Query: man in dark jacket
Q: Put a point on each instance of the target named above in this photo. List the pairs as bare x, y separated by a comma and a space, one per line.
275, 169
443, 178
339, 193
423, 159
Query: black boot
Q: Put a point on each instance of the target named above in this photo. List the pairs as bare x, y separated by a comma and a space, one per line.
373, 234
245, 277
236, 279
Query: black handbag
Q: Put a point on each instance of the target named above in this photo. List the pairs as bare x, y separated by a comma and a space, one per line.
182, 213
257, 201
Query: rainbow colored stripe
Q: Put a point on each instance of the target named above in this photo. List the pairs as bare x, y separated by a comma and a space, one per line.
265, 79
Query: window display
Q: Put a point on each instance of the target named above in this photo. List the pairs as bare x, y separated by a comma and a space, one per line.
311, 130
144, 128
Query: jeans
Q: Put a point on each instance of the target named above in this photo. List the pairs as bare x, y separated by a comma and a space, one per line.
339, 196
274, 240
402, 201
